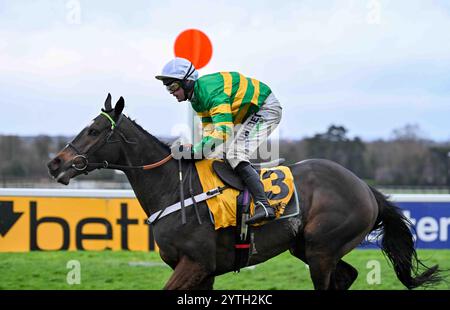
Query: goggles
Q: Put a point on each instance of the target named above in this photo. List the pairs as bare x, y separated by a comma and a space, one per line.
174, 86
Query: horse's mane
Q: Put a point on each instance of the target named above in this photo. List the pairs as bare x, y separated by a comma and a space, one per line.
145, 132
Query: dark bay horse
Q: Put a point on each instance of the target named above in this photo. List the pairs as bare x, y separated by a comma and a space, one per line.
337, 211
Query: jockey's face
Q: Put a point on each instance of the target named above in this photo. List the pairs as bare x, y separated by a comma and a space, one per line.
179, 94
176, 90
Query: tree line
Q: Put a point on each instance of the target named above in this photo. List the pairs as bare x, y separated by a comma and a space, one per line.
405, 159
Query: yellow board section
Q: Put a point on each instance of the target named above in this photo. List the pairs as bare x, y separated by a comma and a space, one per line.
60, 223
278, 184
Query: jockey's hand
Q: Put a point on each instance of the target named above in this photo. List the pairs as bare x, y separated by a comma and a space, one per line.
182, 151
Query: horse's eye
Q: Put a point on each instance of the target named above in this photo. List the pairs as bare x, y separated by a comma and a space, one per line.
92, 132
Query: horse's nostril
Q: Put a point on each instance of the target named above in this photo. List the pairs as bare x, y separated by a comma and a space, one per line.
54, 163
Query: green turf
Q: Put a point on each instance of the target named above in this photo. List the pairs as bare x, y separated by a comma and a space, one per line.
141, 270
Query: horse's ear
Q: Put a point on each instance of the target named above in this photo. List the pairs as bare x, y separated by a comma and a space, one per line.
119, 106
108, 103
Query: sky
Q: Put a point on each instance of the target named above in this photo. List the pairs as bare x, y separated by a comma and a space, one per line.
369, 65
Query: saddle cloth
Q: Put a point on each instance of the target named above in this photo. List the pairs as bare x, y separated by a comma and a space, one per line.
278, 184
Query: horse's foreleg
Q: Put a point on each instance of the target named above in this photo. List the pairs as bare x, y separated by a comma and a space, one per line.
187, 275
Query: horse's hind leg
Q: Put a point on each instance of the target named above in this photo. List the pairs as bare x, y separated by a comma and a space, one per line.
321, 268
188, 275
343, 277
206, 284
321, 265
340, 279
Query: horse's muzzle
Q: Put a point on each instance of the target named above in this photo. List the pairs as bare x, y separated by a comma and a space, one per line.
58, 170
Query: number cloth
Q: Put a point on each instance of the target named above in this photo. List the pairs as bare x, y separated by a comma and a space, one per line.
278, 184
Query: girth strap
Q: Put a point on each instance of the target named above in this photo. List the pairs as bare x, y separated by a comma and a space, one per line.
187, 202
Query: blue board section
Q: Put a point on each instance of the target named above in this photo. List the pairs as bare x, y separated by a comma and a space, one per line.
431, 221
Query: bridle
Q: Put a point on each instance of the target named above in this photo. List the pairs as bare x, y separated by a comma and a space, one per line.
84, 157
85, 164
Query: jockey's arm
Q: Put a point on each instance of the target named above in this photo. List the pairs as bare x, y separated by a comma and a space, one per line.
221, 124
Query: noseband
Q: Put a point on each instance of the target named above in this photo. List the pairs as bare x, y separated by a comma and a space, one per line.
84, 163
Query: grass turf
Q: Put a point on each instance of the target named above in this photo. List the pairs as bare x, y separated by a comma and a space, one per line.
142, 270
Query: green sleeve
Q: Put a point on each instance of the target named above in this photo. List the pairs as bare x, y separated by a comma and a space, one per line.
222, 121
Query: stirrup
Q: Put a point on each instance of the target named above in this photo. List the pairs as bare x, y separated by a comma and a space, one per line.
256, 218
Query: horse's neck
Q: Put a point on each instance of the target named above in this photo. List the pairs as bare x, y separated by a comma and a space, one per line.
155, 188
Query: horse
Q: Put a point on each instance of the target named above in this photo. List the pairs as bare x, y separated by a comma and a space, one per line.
338, 210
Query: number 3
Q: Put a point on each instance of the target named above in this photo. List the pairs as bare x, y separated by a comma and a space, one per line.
279, 181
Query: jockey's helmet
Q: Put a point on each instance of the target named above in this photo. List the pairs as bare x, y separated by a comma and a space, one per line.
178, 69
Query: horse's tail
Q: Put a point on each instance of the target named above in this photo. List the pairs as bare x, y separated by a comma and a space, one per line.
398, 245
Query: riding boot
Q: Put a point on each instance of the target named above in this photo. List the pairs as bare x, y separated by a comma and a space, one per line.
263, 210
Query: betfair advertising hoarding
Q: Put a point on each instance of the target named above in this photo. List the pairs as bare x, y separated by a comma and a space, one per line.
33, 220
42, 219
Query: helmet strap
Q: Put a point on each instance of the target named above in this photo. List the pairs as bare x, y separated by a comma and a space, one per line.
189, 72
187, 88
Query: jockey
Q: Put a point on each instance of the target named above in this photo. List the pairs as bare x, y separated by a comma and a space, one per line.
229, 105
